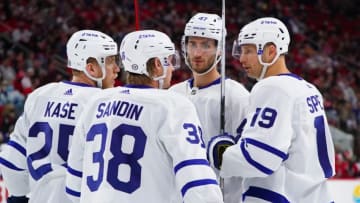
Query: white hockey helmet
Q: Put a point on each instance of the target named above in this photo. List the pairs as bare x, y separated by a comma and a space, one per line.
261, 32
84, 44
203, 25
139, 46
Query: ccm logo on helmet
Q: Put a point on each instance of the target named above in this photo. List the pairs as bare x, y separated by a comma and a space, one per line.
199, 28
89, 34
268, 22
202, 18
146, 36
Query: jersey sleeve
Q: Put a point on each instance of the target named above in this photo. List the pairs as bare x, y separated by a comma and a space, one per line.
75, 163
182, 139
266, 137
13, 160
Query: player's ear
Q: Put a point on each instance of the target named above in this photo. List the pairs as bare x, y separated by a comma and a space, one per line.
272, 50
158, 67
269, 52
92, 69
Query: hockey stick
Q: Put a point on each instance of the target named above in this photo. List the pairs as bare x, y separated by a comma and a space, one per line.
222, 84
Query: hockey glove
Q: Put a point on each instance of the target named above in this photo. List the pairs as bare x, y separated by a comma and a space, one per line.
216, 148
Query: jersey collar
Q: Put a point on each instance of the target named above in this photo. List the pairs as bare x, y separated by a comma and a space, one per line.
77, 84
215, 82
291, 75
138, 86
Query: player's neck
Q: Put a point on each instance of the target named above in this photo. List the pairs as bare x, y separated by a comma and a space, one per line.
203, 80
279, 67
154, 84
83, 79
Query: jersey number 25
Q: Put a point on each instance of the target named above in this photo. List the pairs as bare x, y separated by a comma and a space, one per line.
65, 131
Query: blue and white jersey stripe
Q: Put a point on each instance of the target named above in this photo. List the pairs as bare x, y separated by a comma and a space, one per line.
194, 183
263, 146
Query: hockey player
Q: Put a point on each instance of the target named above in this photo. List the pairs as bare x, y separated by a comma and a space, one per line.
201, 47
34, 160
285, 153
140, 143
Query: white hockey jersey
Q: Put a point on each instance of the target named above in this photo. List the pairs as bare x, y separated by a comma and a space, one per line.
34, 160
135, 145
207, 103
286, 153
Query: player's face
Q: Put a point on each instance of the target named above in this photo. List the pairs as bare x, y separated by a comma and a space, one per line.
201, 53
168, 74
249, 60
112, 70
167, 80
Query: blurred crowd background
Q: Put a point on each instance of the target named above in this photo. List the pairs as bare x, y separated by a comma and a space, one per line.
324, 49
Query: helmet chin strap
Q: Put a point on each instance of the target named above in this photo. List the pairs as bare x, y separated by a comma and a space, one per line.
161, 78
209, 69
98, 81
218, 58
161, 83
263, 71
265, 66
